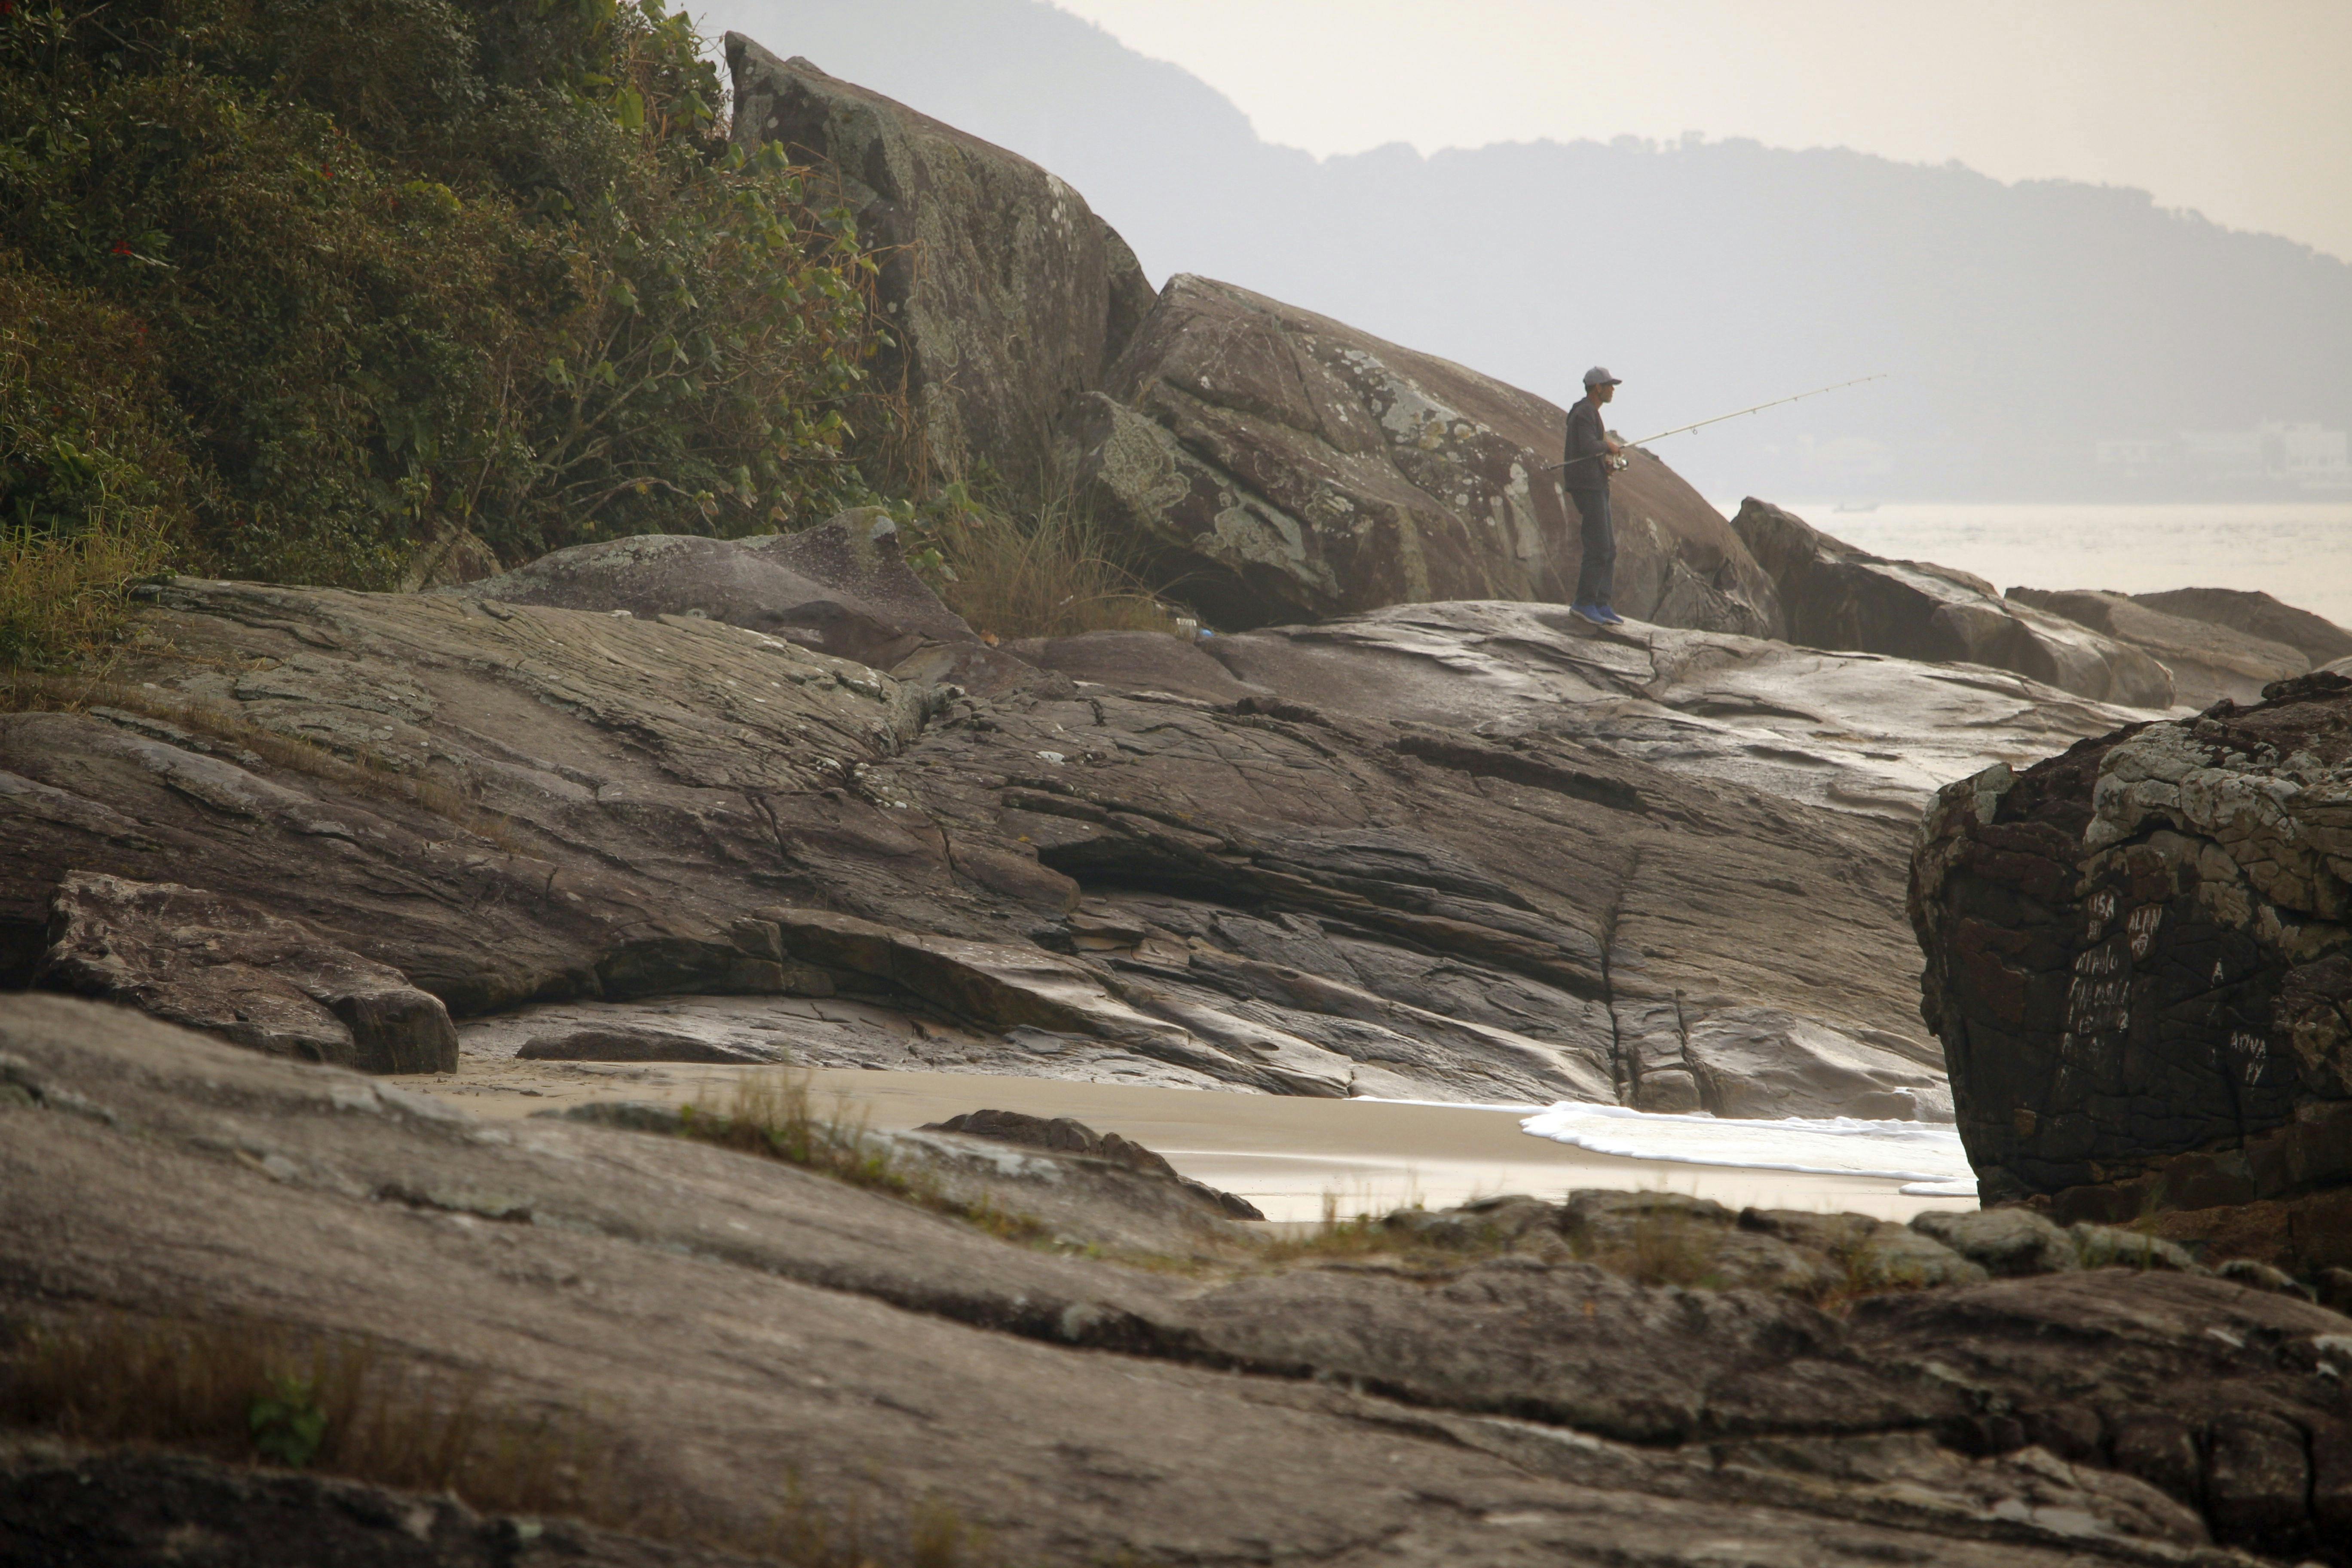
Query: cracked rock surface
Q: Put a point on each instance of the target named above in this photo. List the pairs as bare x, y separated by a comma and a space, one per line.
1290, 466
1511, 1409
1440, 851
224, 965
2139, 961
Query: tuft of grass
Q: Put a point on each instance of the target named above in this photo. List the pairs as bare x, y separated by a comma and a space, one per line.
64, 597
253, 1394
1660, 1248
773, 1116
1046, 571
1409, 1236
250, 1395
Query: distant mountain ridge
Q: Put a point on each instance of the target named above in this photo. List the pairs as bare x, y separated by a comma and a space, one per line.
2022, 325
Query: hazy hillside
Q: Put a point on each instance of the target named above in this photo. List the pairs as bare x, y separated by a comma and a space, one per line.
2022, 324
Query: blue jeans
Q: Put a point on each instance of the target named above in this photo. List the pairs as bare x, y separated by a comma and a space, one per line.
1596, 578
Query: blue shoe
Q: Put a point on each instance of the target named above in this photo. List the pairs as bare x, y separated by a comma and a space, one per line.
1587, 613
1606, 616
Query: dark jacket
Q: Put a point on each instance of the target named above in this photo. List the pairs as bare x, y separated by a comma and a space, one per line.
1588, 446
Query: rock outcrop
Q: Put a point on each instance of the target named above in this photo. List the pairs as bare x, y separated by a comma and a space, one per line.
2207, 660
1835, 596
1850, 732
1544, 1407
226, 965
2139, 961
840, 588
1278, 465
1451, 851
1062, 1135
2320, 640
1004, 296
1284, 465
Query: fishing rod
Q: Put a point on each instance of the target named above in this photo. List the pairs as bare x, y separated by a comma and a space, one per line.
1719, 419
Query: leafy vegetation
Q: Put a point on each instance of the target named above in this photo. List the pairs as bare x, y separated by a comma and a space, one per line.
293, 291
322, 290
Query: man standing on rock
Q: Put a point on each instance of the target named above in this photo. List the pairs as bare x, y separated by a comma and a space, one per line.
1592, 454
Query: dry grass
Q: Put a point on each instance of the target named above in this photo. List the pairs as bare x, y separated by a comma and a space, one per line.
1406, 1237
1047, 573
1654, 1248
775, 1116
248, 1394
1660, 1248
64, 597
367, 773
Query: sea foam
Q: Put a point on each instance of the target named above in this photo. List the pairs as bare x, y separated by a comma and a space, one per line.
1926, 1156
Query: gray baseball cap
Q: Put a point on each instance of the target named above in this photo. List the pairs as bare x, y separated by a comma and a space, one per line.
1599, 376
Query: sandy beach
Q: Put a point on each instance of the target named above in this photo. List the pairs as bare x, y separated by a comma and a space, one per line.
1289, 1155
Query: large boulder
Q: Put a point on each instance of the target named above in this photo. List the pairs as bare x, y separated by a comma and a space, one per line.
1284, 465
2320, 640
2207, 660
503, 802
226, 965
2139, 961
1836, 596
1005, 296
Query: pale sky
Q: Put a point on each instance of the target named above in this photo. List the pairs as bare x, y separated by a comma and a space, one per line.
2241, 110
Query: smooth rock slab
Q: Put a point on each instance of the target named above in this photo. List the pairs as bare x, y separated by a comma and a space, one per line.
1836, 596
2320, 640
2208, 661
222, 964
840, 588
126, 1507
1849, 731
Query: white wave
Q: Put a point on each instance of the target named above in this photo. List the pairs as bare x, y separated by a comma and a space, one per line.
1925, 1154
1964, 1188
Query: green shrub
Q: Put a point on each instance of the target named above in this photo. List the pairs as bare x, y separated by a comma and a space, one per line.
409, 266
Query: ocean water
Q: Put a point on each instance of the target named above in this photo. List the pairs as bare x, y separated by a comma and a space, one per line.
1926, 1156
2298, 552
